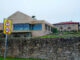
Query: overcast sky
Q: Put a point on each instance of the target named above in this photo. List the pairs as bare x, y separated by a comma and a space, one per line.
52, 11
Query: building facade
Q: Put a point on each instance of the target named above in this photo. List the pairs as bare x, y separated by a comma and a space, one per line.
1, 30
67, 26
23, 25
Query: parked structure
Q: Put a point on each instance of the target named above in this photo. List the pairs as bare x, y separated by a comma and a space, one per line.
67, 26
26, 26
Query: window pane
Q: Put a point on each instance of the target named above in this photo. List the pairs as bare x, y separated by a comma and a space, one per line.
21, 27
26, 27
36, 27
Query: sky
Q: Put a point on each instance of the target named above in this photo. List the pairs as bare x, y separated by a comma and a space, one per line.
52, 11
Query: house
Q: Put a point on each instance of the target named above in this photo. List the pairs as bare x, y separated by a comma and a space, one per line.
67, 26
23, 25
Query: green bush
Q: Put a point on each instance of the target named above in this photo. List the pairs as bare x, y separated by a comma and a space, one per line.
74, 31
54, 30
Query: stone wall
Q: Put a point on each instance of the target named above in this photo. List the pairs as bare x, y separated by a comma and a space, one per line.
57, 48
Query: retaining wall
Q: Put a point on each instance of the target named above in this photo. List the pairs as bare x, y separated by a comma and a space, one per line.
57, 48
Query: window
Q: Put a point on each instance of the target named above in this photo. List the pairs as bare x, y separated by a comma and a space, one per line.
51, 29
21, 27
69, 27
46, 26
28, 34
27, 27
65, 25
36, 27
61, 27
79, 23
79, 27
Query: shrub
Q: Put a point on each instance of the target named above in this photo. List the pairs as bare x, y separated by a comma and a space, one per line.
74, 31
54, 30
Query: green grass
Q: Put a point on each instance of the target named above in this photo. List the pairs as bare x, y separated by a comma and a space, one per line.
61, 35
9, 58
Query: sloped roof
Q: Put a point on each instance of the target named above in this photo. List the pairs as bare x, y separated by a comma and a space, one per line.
19, 16
70, 22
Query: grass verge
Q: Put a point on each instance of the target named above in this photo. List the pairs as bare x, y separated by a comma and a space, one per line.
9, 58
76, 35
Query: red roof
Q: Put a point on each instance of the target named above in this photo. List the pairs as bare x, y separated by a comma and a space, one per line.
70, 22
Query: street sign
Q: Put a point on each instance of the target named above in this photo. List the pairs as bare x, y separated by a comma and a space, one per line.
6, 30
7, 26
